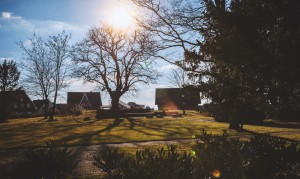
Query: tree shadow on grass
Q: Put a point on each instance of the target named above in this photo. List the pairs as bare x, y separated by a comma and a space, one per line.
293, 125
116, 123
73, 126
42, 119
164, 133
131, 121
261, 134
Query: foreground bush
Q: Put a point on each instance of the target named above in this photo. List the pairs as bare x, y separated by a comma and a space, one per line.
47, 163
263, 156
213, 156
161, 163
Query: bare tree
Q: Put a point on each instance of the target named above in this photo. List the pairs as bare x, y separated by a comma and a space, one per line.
174, 23
46, 67
59, 53
178, 78
116, 61
38, 69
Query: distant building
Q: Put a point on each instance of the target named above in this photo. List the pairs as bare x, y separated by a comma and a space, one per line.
87, 100
17, 103
62, 108
122, 105
177, 98
133, 105
40, 105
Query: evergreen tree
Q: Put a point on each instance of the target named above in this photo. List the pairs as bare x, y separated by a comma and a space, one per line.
253, 48
246, 58
9, 76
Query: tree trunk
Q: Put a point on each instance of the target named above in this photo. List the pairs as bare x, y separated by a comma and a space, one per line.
3, 110
285, 113
51, 116
115, 102
46, 110
235, 123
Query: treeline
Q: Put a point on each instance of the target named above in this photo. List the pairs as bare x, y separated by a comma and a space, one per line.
113, 60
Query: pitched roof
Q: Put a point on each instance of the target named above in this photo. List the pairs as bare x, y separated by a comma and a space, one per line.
17, 97
39, 103
84, 99
177, 98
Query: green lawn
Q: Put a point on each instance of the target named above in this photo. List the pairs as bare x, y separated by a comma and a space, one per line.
32, 132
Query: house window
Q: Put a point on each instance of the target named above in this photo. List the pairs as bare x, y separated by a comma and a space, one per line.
16, 106
28, 105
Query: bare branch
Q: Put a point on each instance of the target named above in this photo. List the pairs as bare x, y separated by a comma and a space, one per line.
115, 60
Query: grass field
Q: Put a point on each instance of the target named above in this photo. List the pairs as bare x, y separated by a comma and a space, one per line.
33, 132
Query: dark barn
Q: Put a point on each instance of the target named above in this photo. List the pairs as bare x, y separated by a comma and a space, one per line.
87, 100
17, 103
177, 98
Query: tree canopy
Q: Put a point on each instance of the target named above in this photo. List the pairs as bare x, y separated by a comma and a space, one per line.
117, 61
244, 53
9, 76
46, 67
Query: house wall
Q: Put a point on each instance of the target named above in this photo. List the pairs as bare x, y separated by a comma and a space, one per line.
41, 110
17, 102
177, 98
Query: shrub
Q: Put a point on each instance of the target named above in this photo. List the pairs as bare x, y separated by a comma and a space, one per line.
272, 157
50, 162
109, 160
218, 153
213, 156
264, 156
160, 163
76, 111
86, 118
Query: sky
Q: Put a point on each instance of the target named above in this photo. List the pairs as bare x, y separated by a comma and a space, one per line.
19, 19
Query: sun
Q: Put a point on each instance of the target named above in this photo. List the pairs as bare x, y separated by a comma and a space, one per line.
120, 16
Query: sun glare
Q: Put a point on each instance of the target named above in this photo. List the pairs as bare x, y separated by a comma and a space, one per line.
120, 16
